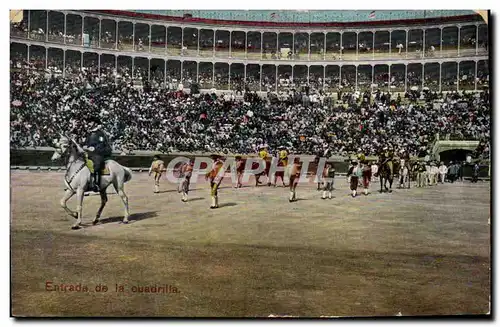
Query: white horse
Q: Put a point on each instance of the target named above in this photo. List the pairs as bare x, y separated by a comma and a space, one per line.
77, 180
404, 175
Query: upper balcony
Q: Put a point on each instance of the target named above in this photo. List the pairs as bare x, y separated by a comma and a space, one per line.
157, 39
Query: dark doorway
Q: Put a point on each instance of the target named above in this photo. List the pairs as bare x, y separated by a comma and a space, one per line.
454, 155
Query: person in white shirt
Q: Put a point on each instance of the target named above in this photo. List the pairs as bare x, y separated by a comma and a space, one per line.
374, 171
427, 179
434, 174
442, 172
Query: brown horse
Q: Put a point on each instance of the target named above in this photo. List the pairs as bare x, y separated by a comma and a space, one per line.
386, 173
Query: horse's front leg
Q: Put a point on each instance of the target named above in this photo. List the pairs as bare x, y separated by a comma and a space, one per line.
79, 208
104, 199
67, 195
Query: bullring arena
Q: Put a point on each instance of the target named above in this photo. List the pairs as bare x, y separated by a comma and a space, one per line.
416, 251
329, 84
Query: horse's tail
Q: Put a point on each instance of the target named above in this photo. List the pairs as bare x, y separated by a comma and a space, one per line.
128, 174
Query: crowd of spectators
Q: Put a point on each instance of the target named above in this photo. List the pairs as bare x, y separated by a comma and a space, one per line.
303, 120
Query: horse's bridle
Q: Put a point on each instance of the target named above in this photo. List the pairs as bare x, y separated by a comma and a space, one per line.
68, 165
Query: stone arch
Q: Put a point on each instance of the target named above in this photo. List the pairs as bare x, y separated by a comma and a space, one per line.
444, 146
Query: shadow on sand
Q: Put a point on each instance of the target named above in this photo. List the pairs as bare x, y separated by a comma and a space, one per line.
195, 199
133, 217
229, 204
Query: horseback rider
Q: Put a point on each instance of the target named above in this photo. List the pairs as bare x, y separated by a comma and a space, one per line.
99, 151
386, 155
386, 167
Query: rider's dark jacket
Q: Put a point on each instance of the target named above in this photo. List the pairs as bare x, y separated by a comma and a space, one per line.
99, 141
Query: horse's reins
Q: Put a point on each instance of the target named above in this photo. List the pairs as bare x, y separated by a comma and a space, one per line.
68, 164
73, 176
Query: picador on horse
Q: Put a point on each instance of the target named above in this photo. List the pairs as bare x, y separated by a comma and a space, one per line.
99, 150
386, 168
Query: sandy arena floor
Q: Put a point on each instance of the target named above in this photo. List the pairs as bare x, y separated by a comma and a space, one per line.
413, 252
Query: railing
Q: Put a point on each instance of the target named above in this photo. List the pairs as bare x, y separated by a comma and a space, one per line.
272, 55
